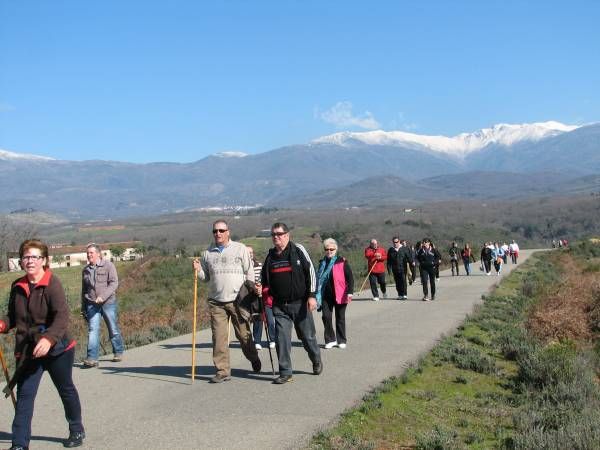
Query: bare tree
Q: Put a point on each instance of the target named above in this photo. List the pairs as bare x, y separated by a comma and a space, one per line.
11, 236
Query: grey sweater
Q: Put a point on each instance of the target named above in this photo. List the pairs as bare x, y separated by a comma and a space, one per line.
225, 271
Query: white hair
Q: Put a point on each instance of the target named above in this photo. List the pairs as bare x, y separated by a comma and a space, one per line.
330, 241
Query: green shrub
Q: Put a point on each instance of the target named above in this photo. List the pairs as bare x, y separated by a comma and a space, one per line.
513, 343
182, 326
460, 379
161, 333
437, 439
548, 366
465, 356
138, 339
580, 431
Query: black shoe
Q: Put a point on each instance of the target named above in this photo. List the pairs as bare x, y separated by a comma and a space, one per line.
282, 379
317, 368
256, 365
219, 378
75, 439
18, 447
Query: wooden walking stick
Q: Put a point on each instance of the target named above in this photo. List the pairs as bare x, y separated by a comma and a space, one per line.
228, 331
194, 325
364, 282
5, 370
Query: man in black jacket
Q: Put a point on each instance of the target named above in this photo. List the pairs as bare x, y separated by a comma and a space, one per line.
428, 259
288, 276
454, 253
395, 264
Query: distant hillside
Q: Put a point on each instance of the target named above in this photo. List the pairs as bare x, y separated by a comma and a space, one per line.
307, 174
392, 190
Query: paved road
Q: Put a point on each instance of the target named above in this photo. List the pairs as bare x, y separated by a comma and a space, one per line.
148, 402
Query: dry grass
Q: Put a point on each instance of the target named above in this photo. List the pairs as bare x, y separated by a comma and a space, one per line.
569, 311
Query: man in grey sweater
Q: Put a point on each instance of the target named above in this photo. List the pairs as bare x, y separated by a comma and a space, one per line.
226, 266
99, 284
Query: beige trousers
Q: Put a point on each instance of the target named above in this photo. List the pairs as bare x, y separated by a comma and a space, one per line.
219, 322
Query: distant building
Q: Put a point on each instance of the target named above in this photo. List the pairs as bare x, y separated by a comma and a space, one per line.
75, 255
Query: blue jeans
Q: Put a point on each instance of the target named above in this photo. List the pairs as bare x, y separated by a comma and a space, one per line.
108, 311
60, 369
467, 264
257, 327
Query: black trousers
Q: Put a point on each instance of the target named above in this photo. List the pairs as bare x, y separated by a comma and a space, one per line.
453, 264
428, 273
374, 278
487, 264
60, 369
328, 306
400, 280
296, 315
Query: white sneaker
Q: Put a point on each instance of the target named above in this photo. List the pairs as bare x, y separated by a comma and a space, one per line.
258, 346
330, 345
385, 295
404, 297
271, 344
375, 299
342, 346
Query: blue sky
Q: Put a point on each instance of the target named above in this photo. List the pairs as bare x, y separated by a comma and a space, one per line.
146, 81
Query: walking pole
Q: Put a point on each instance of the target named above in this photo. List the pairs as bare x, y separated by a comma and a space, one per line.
5, 370
194, 326
364, 282
228, 331
264, 317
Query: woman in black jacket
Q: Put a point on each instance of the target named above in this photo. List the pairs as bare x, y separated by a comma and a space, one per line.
38, 309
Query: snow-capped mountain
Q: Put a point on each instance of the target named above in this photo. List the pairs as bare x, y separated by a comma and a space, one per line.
458, 146
6, 155
287, 175
230, 154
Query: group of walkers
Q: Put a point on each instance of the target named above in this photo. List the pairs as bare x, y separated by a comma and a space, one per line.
289, 290
560, 243
492, 253
401, 260
286, 286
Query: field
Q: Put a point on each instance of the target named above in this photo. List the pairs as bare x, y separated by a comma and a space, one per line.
521, 373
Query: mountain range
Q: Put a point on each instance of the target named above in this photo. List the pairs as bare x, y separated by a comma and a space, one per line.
505, 161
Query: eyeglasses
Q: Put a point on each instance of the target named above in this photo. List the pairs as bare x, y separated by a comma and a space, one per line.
219, 230
32, 257
278, 233
330, 249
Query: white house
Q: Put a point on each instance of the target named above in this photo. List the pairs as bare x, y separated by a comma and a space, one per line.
75, 255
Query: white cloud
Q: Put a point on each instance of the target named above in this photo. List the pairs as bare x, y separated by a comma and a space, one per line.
341, 116
400, 123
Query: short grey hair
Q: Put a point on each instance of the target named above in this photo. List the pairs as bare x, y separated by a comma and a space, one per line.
330, 241
94, 246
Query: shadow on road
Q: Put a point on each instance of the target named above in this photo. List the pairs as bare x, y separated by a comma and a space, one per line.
209, 345
159, 373
8, 437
